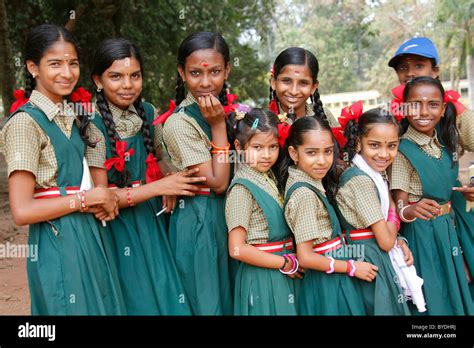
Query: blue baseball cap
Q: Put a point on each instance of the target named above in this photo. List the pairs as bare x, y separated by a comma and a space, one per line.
420, 46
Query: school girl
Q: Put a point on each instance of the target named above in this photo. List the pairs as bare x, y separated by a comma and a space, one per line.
124, 158
258, 234
294, 80
195, 136
44, 149
369, 218
422, 178
309, 167
419, 57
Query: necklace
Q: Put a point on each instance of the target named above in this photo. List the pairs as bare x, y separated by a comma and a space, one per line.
271, 181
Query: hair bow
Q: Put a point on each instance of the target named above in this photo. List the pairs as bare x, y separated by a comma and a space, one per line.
153, 171
283, 132
397, 102
164, 116
273, 107
19, 95
119, 161
451, 96
352, 112
82, 96
338, 133
231, 98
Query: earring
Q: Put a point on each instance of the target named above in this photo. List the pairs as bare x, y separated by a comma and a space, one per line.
34, 75
99, 89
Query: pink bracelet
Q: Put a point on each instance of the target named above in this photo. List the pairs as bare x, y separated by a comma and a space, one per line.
331, 265
353, 268
295, 264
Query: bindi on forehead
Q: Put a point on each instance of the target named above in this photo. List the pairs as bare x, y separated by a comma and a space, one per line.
296, 72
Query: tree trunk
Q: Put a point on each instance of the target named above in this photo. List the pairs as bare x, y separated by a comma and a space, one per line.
470, 78
7, 68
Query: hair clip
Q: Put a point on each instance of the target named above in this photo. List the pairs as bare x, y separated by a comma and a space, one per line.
255, 123
240, 115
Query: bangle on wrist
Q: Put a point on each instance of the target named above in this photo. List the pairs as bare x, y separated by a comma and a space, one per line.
129, 197
78, 195
84, 206
400, 237
353, 268
402, 217
284, 263
331, 265
217, 148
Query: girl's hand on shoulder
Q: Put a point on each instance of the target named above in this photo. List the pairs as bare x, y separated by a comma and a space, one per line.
212, 110
179, 184
406, 251
365, 271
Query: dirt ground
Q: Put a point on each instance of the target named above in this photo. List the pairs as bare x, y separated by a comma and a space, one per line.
14, 296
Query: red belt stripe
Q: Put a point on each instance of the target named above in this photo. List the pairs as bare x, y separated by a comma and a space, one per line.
330, 245
54, 192
275, 246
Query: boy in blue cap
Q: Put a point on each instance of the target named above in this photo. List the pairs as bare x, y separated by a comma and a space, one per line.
419, 57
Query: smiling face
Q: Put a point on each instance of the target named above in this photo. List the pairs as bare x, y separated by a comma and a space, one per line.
261, 151
412, 65
205, 72
380, 146
293, 86
316, 155
122, 82
57, 72
425, 108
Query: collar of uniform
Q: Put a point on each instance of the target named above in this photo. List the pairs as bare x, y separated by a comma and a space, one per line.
300, 176
46, 105
117, 112
188, 100
245, 171
420, 138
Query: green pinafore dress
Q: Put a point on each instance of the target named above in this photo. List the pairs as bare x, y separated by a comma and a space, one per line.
72, 274
265, 291
199, 241
141, 250
382, 296
434, 243
464, 224
328, 294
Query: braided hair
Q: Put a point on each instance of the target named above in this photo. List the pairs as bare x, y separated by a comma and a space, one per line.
109, 51
200, 41
38, 41
299, 56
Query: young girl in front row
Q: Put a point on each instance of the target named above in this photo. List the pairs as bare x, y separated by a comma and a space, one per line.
311, 185
258, 234
196, 137
44, 151
124, 158
366, 208
422, 178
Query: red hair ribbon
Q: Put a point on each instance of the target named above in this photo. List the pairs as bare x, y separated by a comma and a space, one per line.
397, 102
19, 95
338, 133
283, 132
230, 107
119, 161
352, 112
153, 171
451, 96
273, 107
272, 70
164, 116
82, 96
